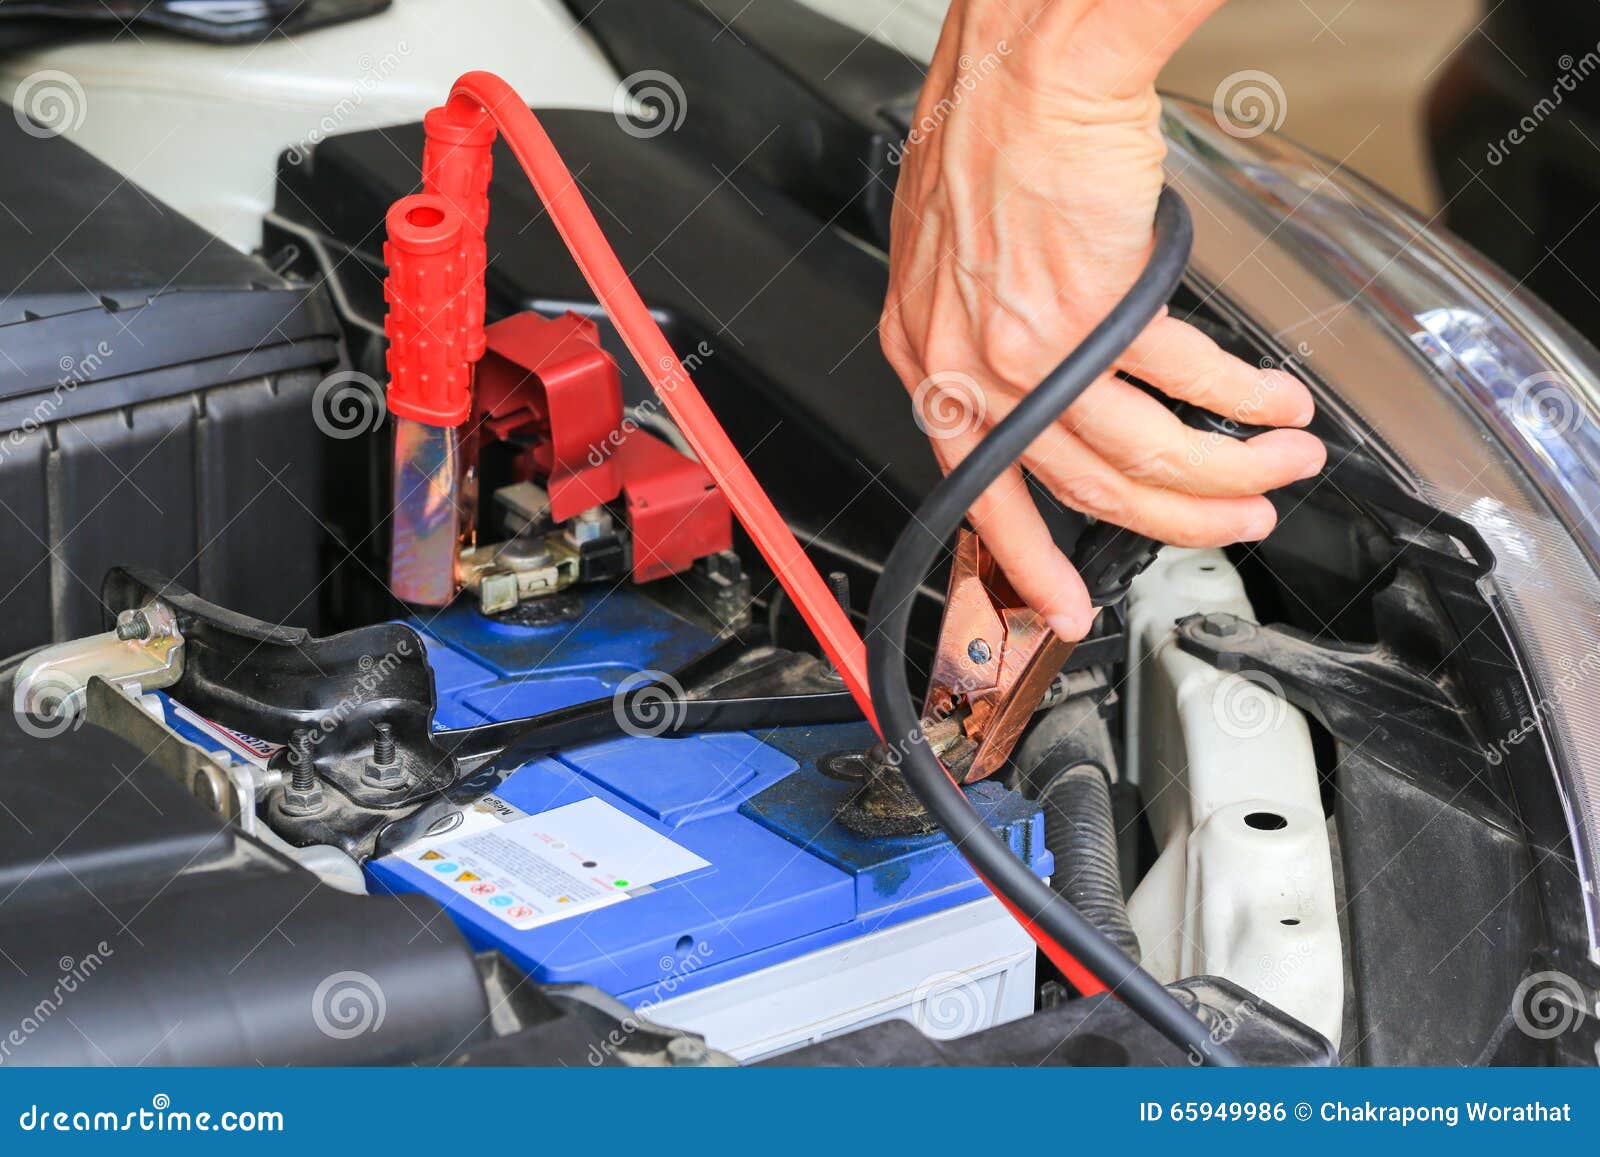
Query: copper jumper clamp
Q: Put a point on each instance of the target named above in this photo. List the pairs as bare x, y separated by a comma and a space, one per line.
993, 664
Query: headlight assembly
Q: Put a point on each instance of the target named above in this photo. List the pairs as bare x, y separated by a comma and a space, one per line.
1474, 394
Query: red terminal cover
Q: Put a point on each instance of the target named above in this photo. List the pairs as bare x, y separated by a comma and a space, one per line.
549, 377
675, 511
430, 378
548, 381
457, 162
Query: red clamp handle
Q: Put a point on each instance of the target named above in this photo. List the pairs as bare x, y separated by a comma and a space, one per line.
430, 376
457, 162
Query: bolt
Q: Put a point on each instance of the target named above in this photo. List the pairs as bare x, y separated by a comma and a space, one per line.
839, 584
384, 769
978, 651
135, 626
304, 767
383, 744
1219, 626
590, 525
303, 795
686, 1050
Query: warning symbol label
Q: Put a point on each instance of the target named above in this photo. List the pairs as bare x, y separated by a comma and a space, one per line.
556, 864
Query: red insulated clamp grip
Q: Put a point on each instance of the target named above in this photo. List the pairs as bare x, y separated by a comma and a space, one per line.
430, 375
457, 162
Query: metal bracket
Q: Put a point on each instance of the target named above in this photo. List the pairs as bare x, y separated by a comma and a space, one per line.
144, 652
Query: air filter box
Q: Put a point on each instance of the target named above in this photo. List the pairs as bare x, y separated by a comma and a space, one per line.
156, 402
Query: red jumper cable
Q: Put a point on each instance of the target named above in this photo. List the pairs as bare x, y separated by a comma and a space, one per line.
456, 168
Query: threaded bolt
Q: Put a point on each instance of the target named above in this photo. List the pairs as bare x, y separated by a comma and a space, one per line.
839, 584
303, 769
135, 626
383, 744
383, 770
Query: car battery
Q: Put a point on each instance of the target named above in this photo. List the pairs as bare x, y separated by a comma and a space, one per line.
704, 880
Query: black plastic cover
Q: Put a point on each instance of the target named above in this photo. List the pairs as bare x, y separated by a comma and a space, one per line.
155, 402
136, 929
776, 90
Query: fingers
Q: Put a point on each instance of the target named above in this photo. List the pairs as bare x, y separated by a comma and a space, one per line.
1141, 437
1014, 533
1181, 362
1077, 474
1088, 483
1010, 526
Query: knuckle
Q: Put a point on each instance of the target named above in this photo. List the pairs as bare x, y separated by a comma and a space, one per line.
1164, 467
1010, 350
1212, 385
1098, 497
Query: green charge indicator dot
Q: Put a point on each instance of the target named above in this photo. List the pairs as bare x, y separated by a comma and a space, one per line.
619, 883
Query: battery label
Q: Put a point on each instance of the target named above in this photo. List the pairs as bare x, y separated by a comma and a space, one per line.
560, 863
215, 737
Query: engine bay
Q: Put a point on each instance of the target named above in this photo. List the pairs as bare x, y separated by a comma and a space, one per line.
518, 726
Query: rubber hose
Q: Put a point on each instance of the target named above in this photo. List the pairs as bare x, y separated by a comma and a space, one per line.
1082, 836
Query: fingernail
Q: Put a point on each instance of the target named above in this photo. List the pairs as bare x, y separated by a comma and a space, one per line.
1066, 626
1309, 411
1262, 525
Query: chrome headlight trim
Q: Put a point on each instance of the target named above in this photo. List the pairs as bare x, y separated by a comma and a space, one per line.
1475, 393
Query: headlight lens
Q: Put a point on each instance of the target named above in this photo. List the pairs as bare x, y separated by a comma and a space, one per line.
1479, 396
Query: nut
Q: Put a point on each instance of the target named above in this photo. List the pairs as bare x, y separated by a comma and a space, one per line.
303, 801
497, 592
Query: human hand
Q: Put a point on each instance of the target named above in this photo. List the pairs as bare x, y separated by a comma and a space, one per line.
1023, 213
